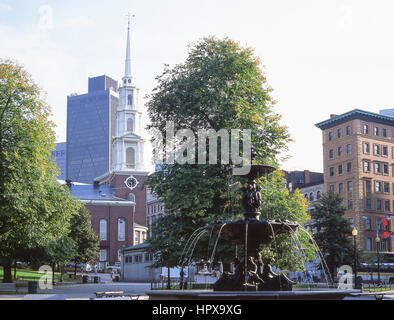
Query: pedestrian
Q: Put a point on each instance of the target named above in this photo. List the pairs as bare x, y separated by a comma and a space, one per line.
112, 274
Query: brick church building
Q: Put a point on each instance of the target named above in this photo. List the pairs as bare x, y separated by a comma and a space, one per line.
117, 199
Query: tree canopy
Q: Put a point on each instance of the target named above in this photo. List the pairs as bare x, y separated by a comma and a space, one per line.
35, 210
220, 86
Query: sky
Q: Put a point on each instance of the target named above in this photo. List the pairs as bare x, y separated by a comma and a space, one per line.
320, 57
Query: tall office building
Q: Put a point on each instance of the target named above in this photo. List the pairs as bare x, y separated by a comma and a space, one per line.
358, 153
59, 154
90, 127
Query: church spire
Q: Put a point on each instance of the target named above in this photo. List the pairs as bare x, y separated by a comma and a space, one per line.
127, 72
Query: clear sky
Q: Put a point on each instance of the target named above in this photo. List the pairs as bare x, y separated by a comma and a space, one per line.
320, 57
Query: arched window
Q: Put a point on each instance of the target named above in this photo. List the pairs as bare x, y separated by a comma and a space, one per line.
130, 158
130, 99
132, 197
311, 196
130, 124
103, 229
318, 195
121, 230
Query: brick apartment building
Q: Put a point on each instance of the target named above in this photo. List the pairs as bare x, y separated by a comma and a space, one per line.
358, 152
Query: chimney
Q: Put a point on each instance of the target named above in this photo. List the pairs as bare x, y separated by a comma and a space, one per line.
333, 116
307, 177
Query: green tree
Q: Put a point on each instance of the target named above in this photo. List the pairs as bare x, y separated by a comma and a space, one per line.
34, 209
219, 86
332, 231
86, 240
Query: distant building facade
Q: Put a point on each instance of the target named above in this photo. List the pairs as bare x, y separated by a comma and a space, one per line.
59, 155
90, 126
358, 153
387, 112
312, 193
299, 179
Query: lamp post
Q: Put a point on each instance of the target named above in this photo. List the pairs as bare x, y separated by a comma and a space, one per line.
354, 234
377, 253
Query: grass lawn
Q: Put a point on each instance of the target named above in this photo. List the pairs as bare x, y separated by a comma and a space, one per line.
24, 275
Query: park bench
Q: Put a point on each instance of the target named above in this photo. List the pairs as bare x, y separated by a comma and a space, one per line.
378, 295
115, 294
8, 287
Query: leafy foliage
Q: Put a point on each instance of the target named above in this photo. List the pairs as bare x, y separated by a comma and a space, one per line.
34, 209
219, 86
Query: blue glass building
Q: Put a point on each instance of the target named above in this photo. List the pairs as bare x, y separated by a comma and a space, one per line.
90, 127
59, 154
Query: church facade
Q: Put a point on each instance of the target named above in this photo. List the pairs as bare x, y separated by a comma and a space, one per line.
117, 199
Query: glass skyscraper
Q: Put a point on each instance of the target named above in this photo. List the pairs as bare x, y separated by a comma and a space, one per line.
90, 127
59, 155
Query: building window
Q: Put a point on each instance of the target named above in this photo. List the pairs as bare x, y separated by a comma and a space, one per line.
121, 229
350, 204
311, 196
349, 167
376, 131
130, 124
340, 169
365, 129
103, 255
368, 186
368, 204
349, 149
318, 195
378, 186
130, 99
132, 197
384, 132
385, 168
386, 187
103, 229
351, 222
385, 151
350, 186
376, 149
348, 130
366, 147
339, 133
331, 154
340, 188
339, 151
379, 205
332, 187
330, 136
387, 205
377, 168
369, 244
367, 166
130, 157
331, 172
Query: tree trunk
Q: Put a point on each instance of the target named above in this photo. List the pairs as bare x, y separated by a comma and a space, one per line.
75, 271
53, 274
168, 279
7, 269
14, 269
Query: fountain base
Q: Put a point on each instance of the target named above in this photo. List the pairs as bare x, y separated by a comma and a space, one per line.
333, 294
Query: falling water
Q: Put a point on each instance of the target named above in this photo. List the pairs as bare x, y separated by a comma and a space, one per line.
192, 245
322, 260
217, 239
276, 249
187, 242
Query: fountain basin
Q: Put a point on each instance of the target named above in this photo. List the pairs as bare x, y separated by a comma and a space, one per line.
333, 294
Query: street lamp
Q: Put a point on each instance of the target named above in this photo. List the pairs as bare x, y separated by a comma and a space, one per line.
377, 253
354, 234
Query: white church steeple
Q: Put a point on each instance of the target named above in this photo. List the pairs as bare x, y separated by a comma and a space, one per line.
128, 145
